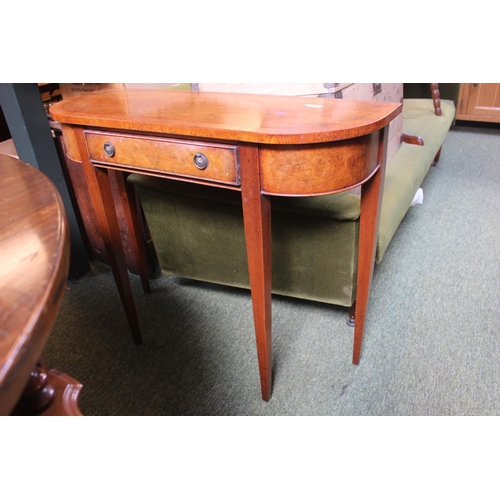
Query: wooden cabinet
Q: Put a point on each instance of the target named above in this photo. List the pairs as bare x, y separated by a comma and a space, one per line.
479, 102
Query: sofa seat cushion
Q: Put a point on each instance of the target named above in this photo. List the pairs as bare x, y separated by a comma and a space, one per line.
342, 206
199, 237
408, 167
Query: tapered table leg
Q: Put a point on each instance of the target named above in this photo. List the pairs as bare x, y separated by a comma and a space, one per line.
371, 198
131, 213
257, 222
98, 183
116, 253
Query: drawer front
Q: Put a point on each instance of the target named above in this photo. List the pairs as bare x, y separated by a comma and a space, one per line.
207, 161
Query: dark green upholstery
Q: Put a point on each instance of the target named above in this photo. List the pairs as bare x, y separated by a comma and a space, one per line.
198, 230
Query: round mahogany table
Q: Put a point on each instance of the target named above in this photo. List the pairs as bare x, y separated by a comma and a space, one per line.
34, 250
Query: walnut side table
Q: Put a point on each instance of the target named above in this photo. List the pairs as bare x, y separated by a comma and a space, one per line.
260, 145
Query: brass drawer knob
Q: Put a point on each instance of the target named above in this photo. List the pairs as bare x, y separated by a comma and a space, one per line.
109, 149
200, 161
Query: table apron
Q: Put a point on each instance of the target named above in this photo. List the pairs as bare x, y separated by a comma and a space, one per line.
315, 169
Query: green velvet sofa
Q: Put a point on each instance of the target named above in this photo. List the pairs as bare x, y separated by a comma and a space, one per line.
198, 233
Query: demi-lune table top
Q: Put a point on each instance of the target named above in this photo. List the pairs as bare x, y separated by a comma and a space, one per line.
256, 118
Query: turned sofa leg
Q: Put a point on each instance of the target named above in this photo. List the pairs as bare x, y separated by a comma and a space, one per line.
352, 315
436, 159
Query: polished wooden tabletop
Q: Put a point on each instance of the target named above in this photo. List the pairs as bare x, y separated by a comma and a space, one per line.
34, 250
256, 118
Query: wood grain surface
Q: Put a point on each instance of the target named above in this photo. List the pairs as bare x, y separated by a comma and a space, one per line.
262, 119
34, 245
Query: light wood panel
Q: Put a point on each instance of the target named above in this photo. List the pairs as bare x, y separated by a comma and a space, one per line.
479, 102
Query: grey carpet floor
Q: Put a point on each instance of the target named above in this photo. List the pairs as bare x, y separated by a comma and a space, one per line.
432, 337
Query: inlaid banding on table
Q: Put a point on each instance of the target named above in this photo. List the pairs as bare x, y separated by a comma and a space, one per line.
202, 160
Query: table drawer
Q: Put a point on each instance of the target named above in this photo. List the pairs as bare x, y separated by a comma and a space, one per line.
201, 160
